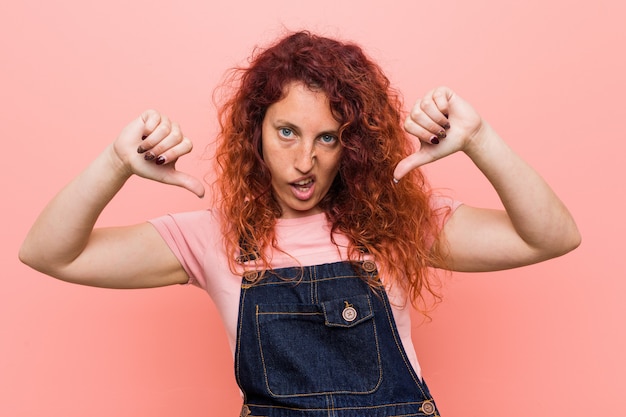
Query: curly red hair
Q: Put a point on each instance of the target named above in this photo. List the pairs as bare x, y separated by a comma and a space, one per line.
392, 222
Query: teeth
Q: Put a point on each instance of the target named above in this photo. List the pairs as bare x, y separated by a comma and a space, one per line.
303, 183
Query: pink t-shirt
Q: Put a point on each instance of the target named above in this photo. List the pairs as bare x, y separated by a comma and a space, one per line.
195, 238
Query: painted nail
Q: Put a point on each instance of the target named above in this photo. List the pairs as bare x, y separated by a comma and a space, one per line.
160, 160
395, 181
140, 149
441, 134
143, 137
446, 126
149, 156
434, 140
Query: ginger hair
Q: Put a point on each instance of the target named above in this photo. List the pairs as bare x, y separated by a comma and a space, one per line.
394, 223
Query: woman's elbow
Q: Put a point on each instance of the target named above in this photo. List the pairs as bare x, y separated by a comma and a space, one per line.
24, 255
566, 241
29, 257
574, 240
34, 258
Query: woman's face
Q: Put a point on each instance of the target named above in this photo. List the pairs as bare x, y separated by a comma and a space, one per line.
301, 149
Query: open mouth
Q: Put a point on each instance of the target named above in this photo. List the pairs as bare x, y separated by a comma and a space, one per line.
303, 190
303, 185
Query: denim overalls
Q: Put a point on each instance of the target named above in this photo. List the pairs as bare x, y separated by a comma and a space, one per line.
318, 341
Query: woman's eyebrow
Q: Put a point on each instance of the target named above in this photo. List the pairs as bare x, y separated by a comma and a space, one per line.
284, 123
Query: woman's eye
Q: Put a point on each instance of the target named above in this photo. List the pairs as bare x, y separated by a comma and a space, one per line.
285, 132
328, 139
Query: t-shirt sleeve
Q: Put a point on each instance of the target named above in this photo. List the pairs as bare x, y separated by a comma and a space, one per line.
190, 236
443, 208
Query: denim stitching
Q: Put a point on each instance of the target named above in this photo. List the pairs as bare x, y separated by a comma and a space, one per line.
331, 410
356, 408
267, 384
309, 394
314, 285
313, 281
237, 361
401, 350
292, 281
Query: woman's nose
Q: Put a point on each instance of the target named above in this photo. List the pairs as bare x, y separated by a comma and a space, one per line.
305, 158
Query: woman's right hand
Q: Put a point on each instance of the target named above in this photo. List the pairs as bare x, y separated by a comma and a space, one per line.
63, 242
150, 145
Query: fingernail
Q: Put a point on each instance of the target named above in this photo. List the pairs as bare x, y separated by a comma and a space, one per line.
143, 137
395, 181
441, 134
434, 140
160, 160
140, 149
446, 126
149, 156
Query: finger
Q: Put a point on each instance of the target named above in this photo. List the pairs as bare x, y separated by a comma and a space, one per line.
441, 98
411, 162
438, 118
424, 135
172, 153
161, 131
185, 181
173, 139
151, 119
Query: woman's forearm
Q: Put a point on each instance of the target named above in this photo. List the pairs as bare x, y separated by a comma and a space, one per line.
537, 214
62, 230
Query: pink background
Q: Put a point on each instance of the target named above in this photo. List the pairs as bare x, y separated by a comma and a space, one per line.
549, 75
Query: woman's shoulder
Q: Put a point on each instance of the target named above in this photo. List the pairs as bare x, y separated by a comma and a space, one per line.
193, 225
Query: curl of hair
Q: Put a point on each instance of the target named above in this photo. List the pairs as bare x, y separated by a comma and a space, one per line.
393, 223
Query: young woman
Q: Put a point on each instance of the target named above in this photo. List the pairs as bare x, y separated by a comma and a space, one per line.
322, 228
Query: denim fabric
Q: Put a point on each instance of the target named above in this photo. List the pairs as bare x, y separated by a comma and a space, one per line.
319, 341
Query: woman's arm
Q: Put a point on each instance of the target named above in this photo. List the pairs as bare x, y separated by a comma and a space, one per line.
534, 226
63, 243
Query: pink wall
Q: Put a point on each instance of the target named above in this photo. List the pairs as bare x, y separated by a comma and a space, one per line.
549, 75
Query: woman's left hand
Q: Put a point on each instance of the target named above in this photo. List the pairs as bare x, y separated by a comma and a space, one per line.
443, 124
534, 225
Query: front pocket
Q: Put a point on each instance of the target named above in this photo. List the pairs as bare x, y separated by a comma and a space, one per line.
319, 349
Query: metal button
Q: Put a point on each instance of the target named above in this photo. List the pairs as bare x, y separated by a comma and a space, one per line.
428, 407
369, 266
250, 276
245, 411
349, 313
